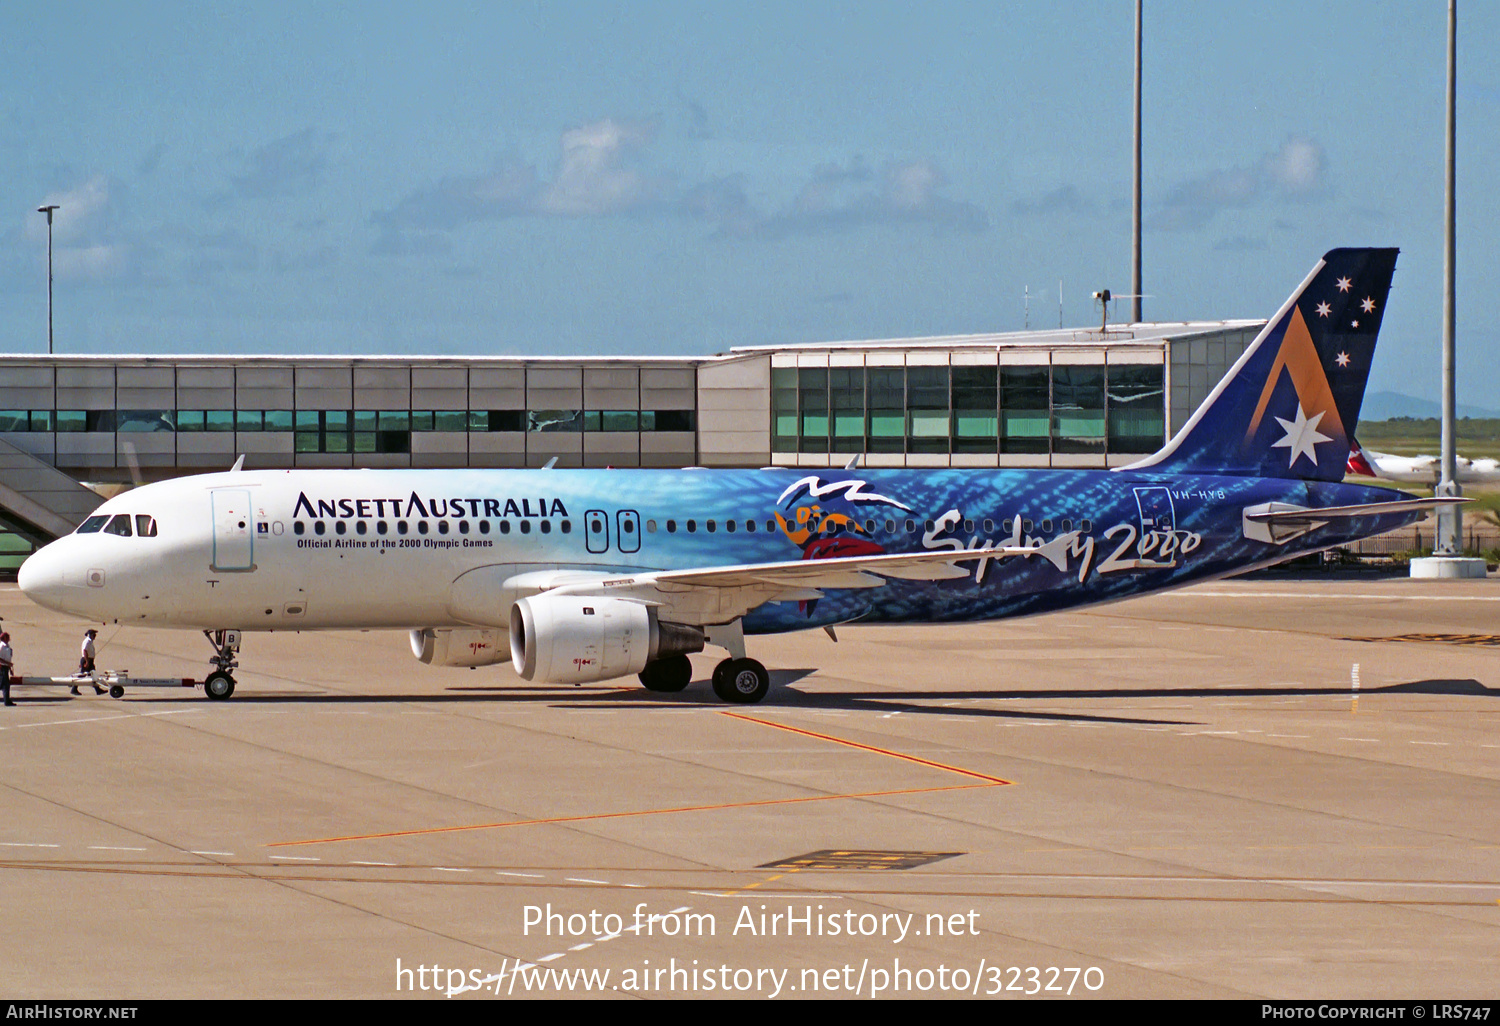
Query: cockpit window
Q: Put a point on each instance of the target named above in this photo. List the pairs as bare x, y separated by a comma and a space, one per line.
92, 525
145, 525
118, 524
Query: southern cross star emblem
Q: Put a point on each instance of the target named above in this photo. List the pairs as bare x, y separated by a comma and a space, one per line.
1302, 435
1343, 284
1342, 359
1368, 306
1324, 309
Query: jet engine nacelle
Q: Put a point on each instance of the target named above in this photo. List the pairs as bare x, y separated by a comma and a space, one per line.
574, 639
445, 647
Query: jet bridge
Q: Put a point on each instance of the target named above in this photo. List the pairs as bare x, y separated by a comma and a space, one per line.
38, 502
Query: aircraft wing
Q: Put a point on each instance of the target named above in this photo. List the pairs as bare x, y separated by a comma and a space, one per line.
719, 593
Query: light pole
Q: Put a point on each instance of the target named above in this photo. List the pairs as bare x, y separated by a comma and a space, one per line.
48, 209
1135, 220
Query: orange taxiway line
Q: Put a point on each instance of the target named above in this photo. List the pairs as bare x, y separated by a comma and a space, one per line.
870, 748
625, 815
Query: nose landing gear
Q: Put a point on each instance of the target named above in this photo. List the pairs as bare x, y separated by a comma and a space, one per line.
219, 684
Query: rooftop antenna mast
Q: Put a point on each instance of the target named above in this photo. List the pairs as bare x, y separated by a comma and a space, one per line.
1028, 306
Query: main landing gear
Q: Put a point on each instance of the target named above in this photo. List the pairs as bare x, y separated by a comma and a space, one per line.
742, 681
219, 684
738, 679
670, 674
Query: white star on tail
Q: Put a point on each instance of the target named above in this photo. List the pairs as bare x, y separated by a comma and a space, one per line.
1342, 359
1343, 284
1368, 306
1324, 309
1301, 436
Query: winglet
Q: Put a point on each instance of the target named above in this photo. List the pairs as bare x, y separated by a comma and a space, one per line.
239, 464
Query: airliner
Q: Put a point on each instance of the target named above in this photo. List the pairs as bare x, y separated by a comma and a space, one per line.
578, 576
1424, 470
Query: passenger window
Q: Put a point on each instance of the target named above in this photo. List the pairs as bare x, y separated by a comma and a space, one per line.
360, 527
145, 525
484, 527
91, 526
401, 527
297, 527
750, 526
729, 526
339, 527
671, 527
421, 527
546, 527
442, 527
1086, 526
319, 527
712, 526
505, 527
651, 527
463, 527
118, 524
911, 526
526, 527
567, 527
692, 525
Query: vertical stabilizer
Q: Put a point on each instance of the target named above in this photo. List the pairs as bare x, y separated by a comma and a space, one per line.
1289, 406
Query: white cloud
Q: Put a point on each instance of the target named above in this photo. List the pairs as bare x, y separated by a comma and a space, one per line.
1294, 171
595, 175
82, 246
80, 212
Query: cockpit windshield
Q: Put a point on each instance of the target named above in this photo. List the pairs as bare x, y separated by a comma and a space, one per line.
120, 524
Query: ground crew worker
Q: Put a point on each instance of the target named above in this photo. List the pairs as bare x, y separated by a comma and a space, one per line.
7, 660
86, 660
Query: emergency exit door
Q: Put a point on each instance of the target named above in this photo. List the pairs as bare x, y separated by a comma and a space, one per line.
596, 530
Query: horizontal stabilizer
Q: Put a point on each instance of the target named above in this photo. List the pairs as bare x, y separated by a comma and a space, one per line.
1277, 523
1299, 515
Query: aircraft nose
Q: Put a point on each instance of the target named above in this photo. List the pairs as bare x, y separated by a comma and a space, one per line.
42, 577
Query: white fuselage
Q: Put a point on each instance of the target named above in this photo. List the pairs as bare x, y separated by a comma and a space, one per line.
1428, 470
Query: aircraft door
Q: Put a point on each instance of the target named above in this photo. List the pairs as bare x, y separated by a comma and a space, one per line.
596, 530
628, 530
1157, 512
234, 530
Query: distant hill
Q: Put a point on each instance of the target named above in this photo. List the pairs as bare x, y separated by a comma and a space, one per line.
1385, 405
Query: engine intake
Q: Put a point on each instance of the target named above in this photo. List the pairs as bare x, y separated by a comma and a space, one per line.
573, 639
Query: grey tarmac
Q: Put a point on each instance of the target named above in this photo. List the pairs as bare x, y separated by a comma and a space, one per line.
1243, 790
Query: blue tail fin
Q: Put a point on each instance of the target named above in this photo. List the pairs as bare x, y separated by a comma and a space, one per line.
1289, 406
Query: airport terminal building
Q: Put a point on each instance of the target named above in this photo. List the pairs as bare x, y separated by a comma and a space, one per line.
1067, 398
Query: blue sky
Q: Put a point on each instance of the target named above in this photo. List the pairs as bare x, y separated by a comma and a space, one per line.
677, 178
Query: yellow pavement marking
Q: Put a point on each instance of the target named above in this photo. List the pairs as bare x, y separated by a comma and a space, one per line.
988, 781
869, 748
